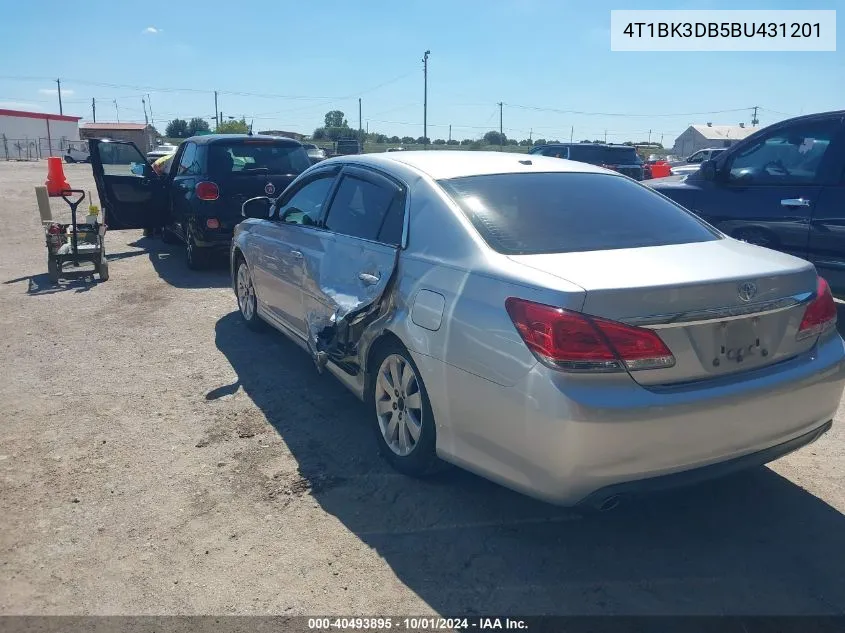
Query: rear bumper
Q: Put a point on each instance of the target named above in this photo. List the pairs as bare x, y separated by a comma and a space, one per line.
706, 473
564, 438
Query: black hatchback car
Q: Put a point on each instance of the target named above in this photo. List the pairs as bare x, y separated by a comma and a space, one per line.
199, 201
621, 158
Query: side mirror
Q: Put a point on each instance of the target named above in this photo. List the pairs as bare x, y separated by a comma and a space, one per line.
257, 208
708, 170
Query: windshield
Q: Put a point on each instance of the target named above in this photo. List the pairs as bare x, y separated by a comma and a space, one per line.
257, 157
598, 155
520, 214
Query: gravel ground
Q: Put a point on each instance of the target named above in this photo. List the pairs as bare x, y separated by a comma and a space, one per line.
159, 458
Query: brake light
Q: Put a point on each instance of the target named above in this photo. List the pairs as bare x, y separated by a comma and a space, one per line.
820, 315
573, 341
207, 191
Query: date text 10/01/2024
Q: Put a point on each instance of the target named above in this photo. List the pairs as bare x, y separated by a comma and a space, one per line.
416, 624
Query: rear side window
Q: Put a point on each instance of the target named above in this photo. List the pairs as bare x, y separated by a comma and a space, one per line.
256, 158
523, 214
599, 155
360, 209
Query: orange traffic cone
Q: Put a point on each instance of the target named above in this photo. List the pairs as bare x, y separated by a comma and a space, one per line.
56, 180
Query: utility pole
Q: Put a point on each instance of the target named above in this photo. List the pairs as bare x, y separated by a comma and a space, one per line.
94, 108
216, 113
754, 120
117, 114
571, 133
450, 131
530, 137
649, 137
605, 137
144, 105
59, 84
425, 96
150, 105
360, 127
501, 132
661, 139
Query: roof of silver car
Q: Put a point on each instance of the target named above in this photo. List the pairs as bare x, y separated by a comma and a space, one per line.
442, 164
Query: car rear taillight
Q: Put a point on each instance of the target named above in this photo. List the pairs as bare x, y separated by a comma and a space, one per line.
820, 315
207, 191
573, 341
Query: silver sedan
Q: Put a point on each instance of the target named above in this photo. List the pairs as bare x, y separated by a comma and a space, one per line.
548, 324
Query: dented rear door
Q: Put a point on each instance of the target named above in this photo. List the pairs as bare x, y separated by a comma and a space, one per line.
349, 269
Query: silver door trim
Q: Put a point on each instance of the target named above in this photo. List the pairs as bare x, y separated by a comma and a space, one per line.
719, 315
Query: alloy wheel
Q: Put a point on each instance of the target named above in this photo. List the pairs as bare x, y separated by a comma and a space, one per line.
246, 292
399, 404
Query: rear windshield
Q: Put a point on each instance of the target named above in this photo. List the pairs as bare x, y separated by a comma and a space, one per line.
256, 157
523, 214
598, 155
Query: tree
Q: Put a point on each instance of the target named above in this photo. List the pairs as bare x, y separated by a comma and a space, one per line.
467, 141
586, 140
439, 141
494, 138
540, 141
335, 119
197, 125
525, 142
407, 140
423, 141
554, 142
233, 127
453, 141
379, 138
319, 134
394, 139
177, 128
513, 141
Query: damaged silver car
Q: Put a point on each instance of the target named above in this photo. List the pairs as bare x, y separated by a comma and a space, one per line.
551, 325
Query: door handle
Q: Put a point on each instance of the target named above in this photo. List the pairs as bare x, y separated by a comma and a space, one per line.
795, 202
296, 254
369, 279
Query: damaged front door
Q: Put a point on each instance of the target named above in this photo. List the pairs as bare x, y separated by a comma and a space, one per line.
344, 286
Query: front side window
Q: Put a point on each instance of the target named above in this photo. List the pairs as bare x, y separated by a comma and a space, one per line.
121, 159
360, 209
187, 164
306, 204
789, 156
525, 214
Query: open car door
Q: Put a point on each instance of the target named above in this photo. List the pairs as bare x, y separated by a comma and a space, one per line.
132, 195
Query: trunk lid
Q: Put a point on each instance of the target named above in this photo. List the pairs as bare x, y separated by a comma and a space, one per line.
690, 294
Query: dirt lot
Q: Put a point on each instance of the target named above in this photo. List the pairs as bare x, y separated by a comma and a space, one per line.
159, 458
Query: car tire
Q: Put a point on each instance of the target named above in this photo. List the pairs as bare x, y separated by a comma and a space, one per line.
401, 411
70, 159
195, 256
245, 294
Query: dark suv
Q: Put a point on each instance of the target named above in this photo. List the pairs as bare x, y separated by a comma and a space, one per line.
783, 187
199, 201
621, 158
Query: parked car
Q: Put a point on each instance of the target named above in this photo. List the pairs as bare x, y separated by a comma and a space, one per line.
395, 149
783, 187
344, 147
161, 150
198, 201
621, 158
315, 154
75, 154
693, 161
548, 324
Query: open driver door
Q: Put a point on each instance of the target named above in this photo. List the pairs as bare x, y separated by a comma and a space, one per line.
132, 194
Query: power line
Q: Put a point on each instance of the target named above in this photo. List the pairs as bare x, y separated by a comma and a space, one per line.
625, 114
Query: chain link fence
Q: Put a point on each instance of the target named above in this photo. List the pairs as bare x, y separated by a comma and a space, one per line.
36, 148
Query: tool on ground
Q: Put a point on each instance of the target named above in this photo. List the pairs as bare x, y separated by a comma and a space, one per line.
74, 242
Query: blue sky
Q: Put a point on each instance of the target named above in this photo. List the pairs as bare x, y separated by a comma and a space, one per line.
298, 60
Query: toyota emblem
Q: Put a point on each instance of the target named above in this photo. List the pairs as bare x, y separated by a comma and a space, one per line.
747, 290
269, 189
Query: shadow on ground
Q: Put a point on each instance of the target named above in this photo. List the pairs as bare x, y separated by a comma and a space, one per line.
753, 543
73, 278
168, 260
